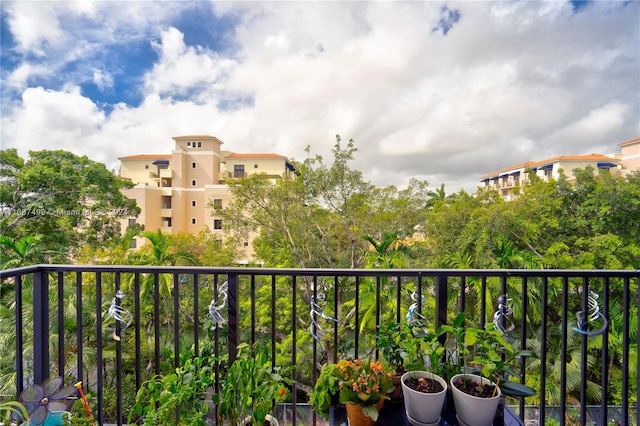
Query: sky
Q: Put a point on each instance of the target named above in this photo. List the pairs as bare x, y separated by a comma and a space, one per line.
442, 91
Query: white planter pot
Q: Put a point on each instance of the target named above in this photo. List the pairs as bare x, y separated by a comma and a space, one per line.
473, 410
423, 408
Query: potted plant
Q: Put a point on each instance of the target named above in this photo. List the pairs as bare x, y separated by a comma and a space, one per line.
424, 390
251, 387
400, 346
326, 390
484, 357
177, 398
364, 386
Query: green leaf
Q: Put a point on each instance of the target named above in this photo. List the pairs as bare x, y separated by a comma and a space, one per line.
515, 389
371, 411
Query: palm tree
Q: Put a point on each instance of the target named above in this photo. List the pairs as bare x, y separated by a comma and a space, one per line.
436, 197
15, 253
574, 377
27, 250
388, 253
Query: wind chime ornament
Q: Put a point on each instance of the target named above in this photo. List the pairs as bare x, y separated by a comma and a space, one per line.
414, 317
121, 315
215, 309
316, 312
501, 318
586, 320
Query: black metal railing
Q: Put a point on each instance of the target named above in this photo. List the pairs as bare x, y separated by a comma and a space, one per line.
169, 311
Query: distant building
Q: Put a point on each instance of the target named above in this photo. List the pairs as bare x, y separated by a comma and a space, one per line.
174, 190
629, 155
509, 181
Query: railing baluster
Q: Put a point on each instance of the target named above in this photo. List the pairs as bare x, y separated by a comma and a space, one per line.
79, 325
463, 288
441, 301
41, 327
524, 295
483, 301
99, 375
314, 348
583, 359
563, 348
156, 320
398, 298
118, 332
60, 322
294, 344
253, 308
605, 352
357, 318
19, 340
234, 327
136, 316
543, 354
378, 288
336, 315
625, 354
176, 320
196, 316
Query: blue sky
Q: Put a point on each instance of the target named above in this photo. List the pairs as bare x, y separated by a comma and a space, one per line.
436, 90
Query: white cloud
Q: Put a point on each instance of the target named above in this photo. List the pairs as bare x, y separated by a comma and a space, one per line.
509, 82
53, 120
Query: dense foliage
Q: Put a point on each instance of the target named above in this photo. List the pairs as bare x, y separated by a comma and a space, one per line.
69, 200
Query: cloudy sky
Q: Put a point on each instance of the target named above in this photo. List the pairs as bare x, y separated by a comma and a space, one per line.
439, 90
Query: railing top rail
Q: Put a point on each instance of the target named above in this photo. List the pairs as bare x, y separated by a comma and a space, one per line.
595, 273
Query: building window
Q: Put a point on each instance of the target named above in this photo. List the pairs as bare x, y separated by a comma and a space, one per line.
238, 171
217, 203
193, 182
188, 144
217, 224
193, 220
246, 243
199, 144
193, 203
255, 166
218, 243
146, 166
133, 244
132, 222
193, 165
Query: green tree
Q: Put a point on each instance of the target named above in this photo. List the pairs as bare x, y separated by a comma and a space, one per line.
68, 199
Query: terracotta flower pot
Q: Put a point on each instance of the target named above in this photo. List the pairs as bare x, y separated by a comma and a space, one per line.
396, 395
356, 416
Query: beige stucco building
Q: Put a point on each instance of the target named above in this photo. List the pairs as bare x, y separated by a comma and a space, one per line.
629, 155
180, 192
509, 181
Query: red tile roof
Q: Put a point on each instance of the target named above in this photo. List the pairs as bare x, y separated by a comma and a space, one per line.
146, 157
631, 142
531, 164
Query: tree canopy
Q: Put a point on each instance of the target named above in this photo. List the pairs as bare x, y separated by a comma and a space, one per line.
68, 199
